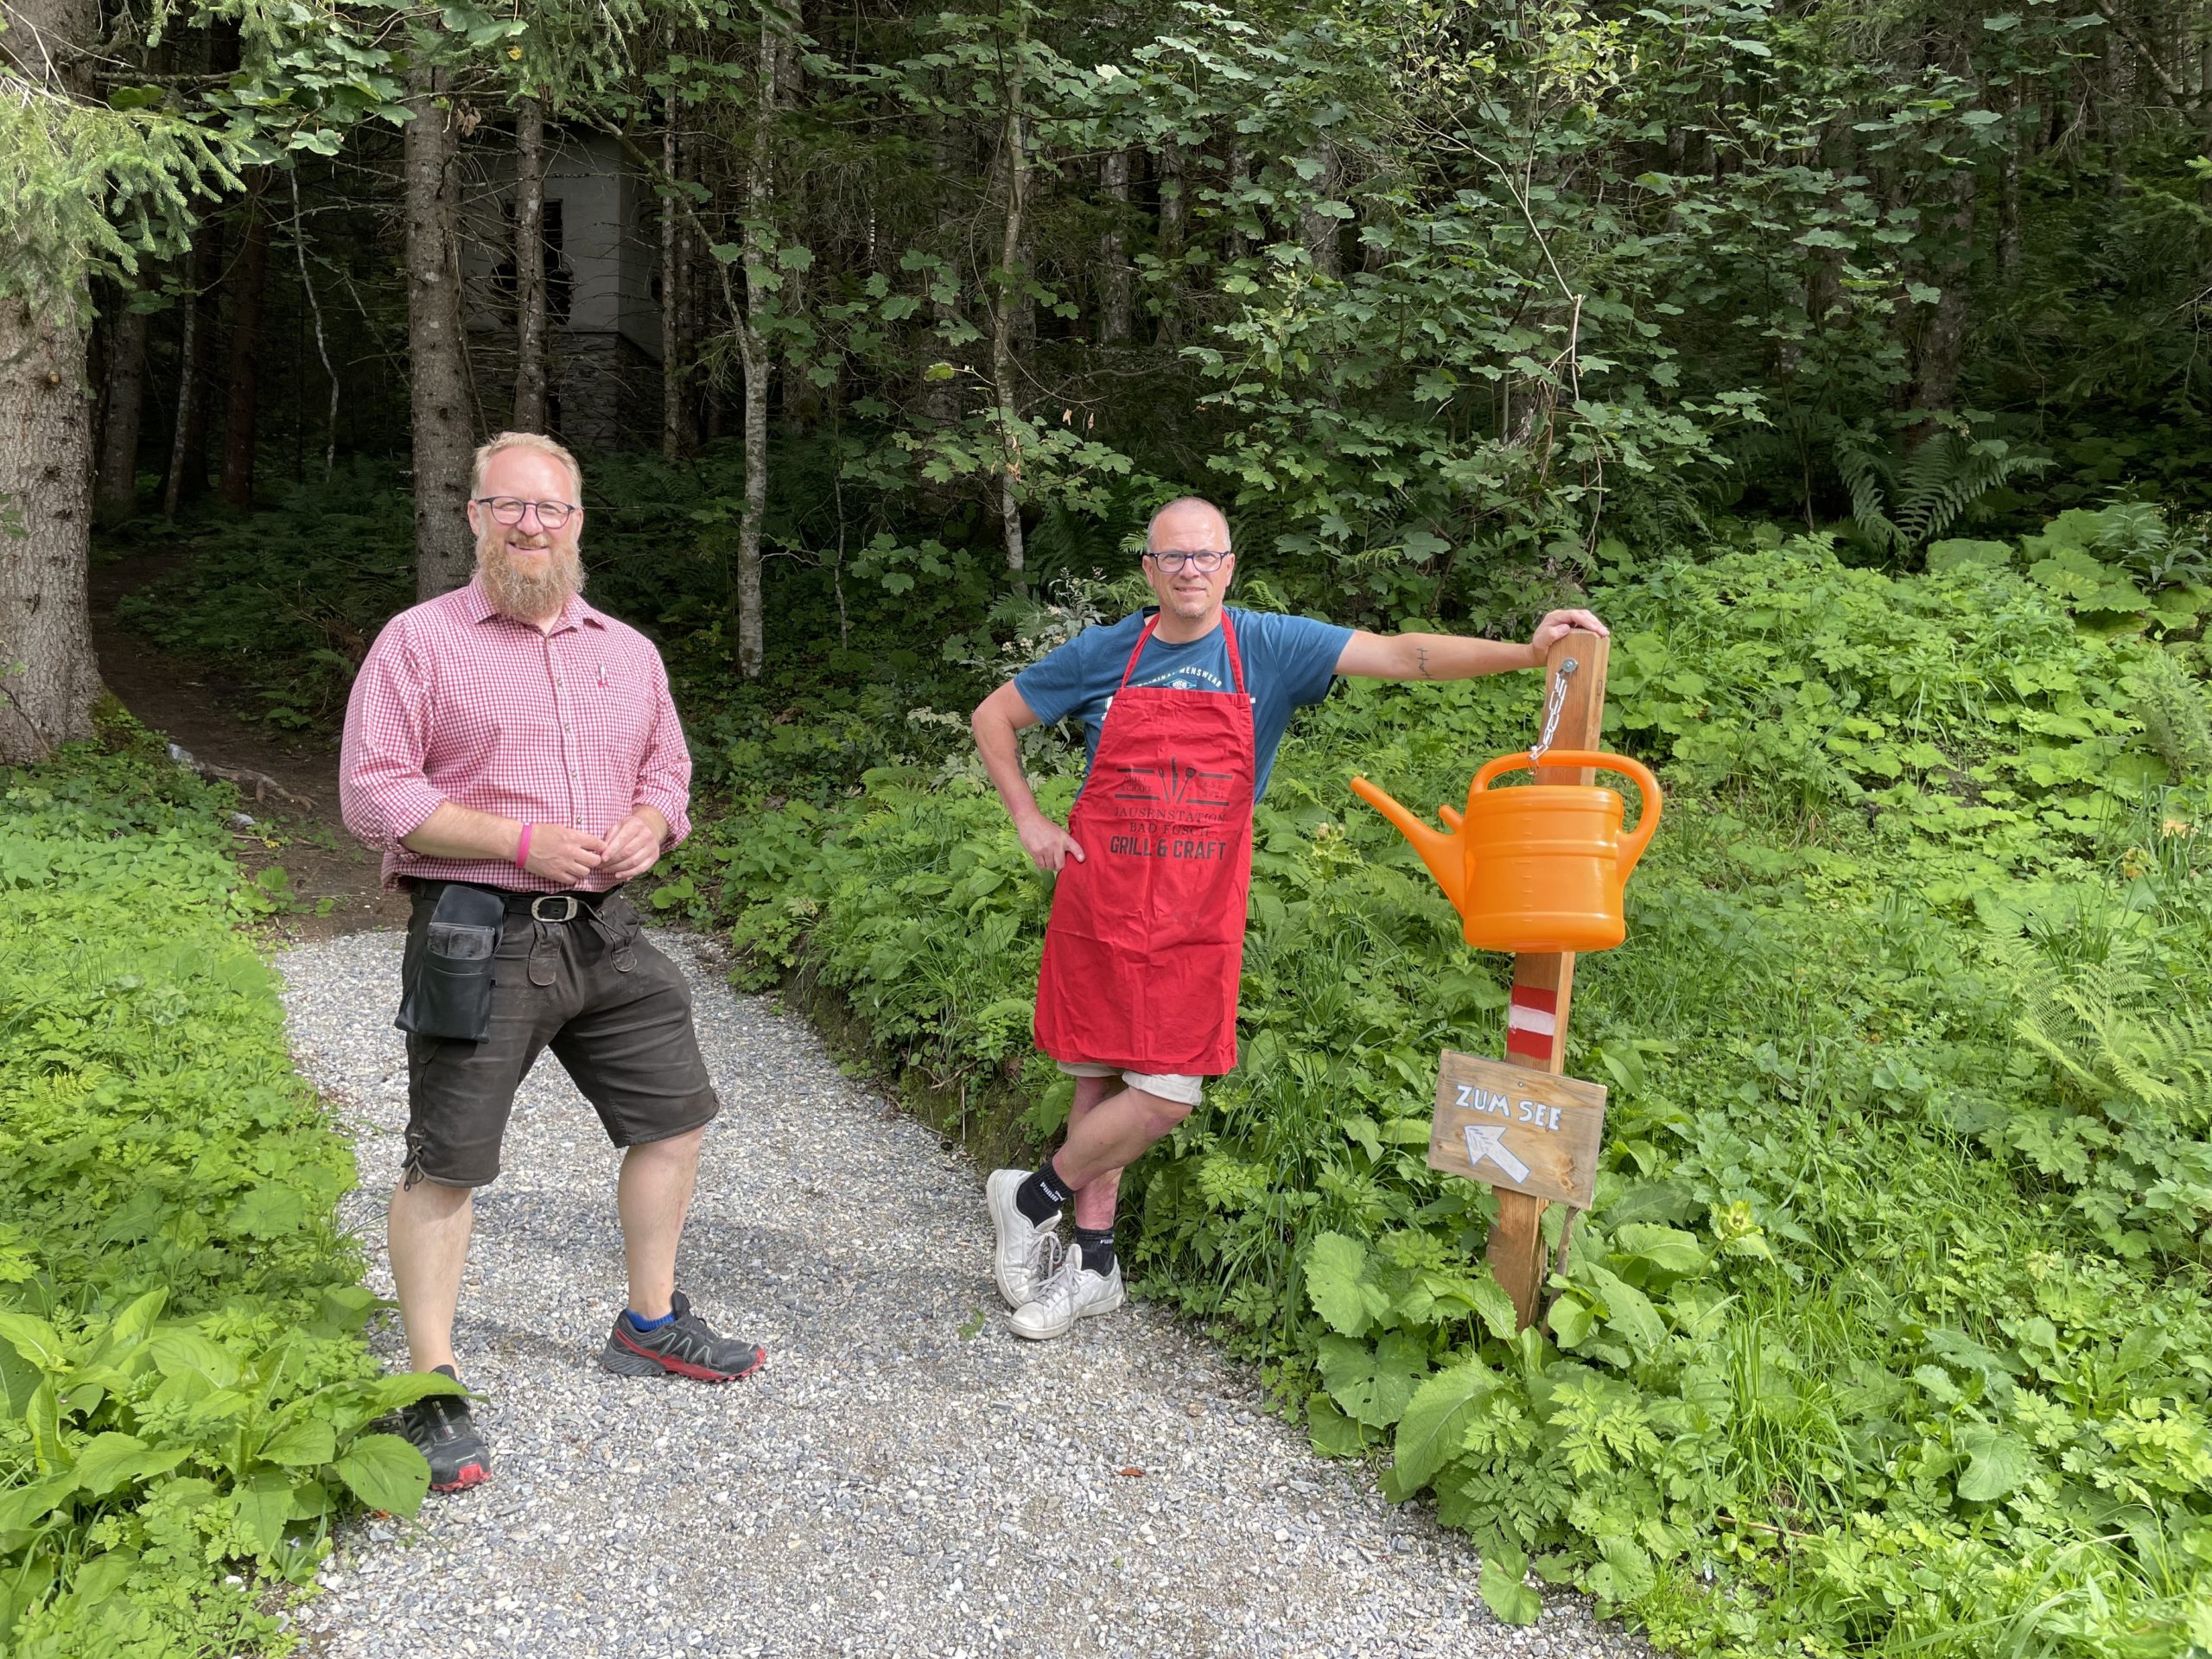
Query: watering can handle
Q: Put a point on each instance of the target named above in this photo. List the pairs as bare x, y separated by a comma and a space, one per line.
1654, 802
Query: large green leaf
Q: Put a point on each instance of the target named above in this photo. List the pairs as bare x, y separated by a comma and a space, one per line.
1373, 1384
1334, 1285
110, 1460
1998, 1464
35, 1339
264, 1505
26, 1506
1503, 1590
1629, 1310
1434, 1429
308, 1443
385, 1473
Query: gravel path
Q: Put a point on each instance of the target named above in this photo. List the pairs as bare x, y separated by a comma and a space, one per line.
905, 1477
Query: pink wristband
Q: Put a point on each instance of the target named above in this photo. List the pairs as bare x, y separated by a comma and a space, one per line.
522, 848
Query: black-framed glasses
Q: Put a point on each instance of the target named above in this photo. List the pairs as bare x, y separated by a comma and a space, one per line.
507, 509
1205, 561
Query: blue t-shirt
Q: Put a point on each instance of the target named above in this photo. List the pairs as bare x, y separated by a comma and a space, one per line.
1288, 662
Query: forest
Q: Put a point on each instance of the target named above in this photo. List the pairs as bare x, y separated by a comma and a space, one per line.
1851, 360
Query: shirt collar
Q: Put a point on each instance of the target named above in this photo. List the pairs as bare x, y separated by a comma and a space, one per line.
575, 613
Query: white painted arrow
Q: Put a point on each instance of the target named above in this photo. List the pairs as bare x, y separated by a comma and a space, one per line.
1488, 1142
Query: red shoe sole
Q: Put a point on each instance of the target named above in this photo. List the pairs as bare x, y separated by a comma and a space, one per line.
469, 1474
684, 1367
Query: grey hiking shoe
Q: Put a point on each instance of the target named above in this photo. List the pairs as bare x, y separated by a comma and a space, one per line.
685, 1347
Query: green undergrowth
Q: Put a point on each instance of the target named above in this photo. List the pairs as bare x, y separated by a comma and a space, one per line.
184, 1390
1890, 1332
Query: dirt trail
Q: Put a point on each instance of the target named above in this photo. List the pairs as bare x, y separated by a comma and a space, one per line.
331, 872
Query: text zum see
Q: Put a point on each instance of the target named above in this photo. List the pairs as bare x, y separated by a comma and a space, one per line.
1533, 1112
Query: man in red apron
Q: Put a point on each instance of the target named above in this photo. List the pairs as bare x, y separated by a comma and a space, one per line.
1182, 708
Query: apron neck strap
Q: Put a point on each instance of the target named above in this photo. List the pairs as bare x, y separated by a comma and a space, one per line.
1228, 638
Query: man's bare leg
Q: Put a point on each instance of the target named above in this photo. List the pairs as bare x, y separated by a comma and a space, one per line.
428, 1240
1112, 1134
1094, 1202
652, 1196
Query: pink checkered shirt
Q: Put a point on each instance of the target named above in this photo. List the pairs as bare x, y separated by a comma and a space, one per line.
456, 703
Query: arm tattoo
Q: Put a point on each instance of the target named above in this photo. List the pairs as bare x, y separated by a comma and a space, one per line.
1421, 661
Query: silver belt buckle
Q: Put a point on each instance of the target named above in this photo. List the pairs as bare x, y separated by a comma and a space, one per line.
567, 915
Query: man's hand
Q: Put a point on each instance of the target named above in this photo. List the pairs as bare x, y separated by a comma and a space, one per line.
560, 853
1046, 843
634, 845
1557, 624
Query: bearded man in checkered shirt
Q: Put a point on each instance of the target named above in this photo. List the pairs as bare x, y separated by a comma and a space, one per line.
515, 755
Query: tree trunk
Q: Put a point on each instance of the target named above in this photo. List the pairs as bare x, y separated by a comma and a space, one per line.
444, 553
754, 351
126, 392
242, 407
1316, 229
2008, 199
1114, 308
48, 678
529, 267
1941, 346
671, 311
187, 479
1003, 313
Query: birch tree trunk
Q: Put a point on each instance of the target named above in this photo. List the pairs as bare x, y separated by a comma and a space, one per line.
1115, 321
528, 414
117, 486
1004, 311
753, 350
48, 678
444, 553
241, 409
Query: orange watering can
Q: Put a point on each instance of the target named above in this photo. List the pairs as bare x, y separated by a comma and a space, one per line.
1539, 868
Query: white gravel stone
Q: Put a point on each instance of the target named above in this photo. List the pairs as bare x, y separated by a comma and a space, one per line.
885, 1485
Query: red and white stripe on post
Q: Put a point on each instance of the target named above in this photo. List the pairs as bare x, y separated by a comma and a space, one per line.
1532, 1024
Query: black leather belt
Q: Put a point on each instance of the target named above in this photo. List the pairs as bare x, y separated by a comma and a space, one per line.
541, 906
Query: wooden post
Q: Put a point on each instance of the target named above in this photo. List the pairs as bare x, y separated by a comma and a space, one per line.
1543, 984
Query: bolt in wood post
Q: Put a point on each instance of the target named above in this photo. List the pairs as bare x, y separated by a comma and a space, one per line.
1516, 1243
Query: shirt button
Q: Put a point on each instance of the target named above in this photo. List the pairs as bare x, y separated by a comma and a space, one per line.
566, 727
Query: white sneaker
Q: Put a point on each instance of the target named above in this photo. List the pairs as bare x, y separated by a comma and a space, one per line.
1018, 1262
1072, 1291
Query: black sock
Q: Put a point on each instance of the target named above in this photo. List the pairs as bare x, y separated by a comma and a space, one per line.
1097, 1244
1041, 1195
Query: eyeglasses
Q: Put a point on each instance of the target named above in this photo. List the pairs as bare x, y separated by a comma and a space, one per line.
1205, 561
506, 510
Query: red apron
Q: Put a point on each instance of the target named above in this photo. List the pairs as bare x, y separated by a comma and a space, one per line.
1146, 942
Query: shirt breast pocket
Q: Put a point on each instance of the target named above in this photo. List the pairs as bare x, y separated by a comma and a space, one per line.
621, 719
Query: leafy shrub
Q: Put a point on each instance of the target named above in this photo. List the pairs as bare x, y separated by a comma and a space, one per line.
183, 1389
1888, 1330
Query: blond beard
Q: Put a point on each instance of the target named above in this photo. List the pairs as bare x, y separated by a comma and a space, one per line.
528, 599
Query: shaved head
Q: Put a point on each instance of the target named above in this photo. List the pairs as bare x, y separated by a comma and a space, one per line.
1183, 516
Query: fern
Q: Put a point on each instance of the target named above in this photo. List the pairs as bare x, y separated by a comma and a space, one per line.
1903, 508
2110, 1039
2176, 714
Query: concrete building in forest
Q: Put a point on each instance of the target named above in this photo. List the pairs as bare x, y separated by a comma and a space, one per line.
602, 280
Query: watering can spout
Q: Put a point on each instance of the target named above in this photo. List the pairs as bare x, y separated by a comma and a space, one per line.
1438, 849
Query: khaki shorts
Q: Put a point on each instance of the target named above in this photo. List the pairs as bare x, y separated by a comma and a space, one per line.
1168, 1085
614, 1011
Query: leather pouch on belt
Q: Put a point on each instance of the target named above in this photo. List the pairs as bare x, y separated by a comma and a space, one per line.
450, 994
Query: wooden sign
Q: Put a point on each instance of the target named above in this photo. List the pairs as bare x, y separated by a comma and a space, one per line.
1529, 1132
